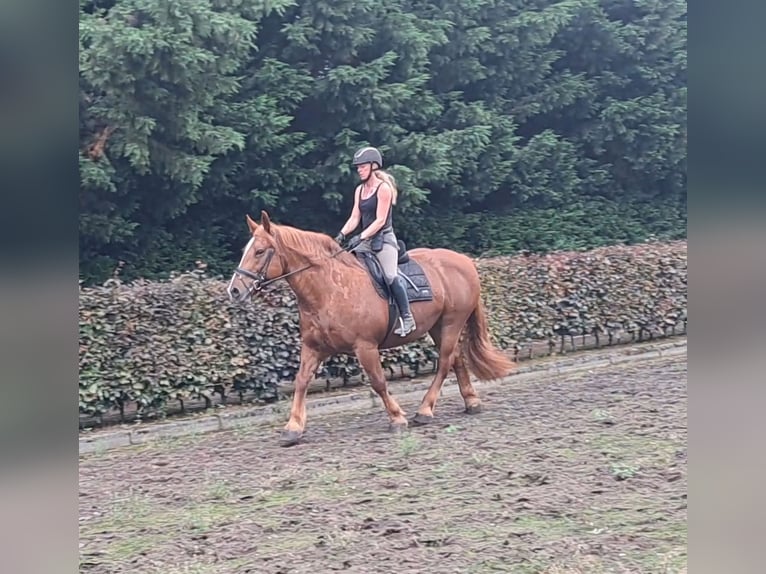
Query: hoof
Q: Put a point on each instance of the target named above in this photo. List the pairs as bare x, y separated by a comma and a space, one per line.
290, 437
397, 428
473, 409
420, 420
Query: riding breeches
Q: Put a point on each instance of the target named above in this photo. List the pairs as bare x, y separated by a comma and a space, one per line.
388, 256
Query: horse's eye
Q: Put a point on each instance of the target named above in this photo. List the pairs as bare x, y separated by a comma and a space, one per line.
259, 251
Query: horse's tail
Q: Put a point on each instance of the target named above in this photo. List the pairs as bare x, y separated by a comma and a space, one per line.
484, 360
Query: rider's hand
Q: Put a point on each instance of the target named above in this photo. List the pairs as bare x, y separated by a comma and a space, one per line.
340, 238
354, 241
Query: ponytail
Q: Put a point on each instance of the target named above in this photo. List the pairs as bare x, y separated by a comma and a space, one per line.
389, 179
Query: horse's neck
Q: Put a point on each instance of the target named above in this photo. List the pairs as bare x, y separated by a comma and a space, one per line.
309, 287
312, 282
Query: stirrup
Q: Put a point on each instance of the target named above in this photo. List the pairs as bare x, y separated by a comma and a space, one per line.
406, 326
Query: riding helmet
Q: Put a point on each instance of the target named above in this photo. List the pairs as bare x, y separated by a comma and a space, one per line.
368, 155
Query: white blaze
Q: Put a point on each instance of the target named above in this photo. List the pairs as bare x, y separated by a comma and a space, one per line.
241, 261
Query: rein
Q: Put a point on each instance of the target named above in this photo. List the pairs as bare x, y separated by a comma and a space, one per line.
259, 277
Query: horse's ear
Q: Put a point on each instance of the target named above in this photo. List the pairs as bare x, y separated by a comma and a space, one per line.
265, 221
251, 224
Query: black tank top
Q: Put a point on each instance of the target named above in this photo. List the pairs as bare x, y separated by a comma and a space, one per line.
369, 210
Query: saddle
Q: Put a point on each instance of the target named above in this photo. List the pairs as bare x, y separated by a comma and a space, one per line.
418, 285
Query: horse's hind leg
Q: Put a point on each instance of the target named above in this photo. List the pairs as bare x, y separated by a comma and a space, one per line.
369, 358
446, 338
470, 397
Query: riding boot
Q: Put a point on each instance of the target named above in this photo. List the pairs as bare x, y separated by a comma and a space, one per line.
407, 323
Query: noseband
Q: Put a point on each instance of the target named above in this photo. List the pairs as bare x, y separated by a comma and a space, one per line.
259, 277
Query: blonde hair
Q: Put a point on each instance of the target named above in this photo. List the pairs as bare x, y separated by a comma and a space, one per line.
390, 180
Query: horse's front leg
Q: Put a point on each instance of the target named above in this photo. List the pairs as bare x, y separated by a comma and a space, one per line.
293, 431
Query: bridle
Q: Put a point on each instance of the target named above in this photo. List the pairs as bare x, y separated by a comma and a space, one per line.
258, 278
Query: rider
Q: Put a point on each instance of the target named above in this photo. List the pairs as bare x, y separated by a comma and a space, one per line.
373, 202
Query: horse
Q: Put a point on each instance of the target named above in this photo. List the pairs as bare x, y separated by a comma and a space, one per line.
344, 308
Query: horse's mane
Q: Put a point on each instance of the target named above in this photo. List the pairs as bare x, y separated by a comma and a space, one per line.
316, 246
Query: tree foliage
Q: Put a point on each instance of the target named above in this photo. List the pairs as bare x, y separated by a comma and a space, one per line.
515, 124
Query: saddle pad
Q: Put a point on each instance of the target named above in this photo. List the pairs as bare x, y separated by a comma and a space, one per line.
412, 273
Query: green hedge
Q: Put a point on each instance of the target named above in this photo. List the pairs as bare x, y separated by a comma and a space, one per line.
154, 343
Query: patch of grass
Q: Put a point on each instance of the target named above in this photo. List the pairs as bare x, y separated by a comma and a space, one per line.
609, 527
545, 527
277, 498
668, 531
203, 518
480, 459
407, 444
124, 550
220, 491
633, 450
592, 564
623, 471
328, 477
602, 416
214, 487
666, 534
584, 564
524, 527
139, 526
129, 506
390, 472
670, 562
194, 516
225, 567
578, 563
284, 543
568, 453
492, 565
444, 469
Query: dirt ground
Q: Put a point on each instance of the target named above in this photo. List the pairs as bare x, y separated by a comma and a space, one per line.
567, 474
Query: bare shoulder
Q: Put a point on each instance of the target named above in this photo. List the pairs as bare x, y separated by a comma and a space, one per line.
384, 190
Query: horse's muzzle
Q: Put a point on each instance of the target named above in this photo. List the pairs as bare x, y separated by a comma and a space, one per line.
249, 284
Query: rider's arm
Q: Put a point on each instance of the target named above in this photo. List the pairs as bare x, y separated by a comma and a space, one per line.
384, 203
355, 217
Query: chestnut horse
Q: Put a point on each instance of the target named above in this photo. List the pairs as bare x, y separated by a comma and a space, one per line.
343, 311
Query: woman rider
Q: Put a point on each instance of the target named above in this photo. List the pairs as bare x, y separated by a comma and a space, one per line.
373, 203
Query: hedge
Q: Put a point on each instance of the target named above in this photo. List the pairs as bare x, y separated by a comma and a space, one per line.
155, 343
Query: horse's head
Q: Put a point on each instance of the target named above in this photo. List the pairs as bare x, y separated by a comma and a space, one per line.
260, 261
